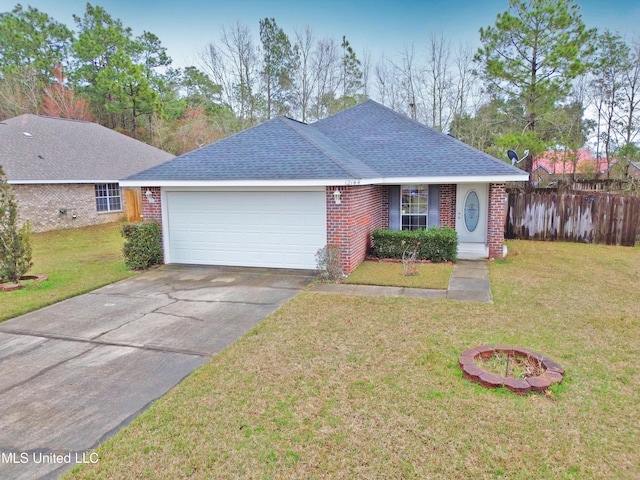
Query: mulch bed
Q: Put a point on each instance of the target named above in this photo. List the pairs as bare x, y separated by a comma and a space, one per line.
24, 281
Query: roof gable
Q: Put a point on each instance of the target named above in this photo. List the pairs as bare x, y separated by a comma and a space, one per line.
46, 149
279, 148
396, 146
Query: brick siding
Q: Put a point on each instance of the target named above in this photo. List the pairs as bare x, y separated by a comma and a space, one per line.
448, 206
364, 208
349, 225
496, 221
41, 205
152, 211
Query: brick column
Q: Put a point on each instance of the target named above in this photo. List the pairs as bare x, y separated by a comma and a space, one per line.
448, 206
497, 215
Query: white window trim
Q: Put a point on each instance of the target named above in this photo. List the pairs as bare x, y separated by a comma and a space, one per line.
108, 197
415, 186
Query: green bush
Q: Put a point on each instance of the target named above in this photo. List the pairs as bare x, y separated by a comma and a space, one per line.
142, 246
435, 244
15, 243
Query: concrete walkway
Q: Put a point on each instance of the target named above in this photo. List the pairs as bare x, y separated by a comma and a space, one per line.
469, 282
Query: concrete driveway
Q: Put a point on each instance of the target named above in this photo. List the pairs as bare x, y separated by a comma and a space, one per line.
74, 373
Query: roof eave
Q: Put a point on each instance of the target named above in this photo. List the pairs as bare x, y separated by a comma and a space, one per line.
453, 179
244, 183
446, 179
59, 182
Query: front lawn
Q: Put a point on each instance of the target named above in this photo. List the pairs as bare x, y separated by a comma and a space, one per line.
430, 275
75, 260
333, 386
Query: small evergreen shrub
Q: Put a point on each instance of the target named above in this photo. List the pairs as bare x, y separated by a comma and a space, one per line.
435, 244
15, 243
329, 264
142, 247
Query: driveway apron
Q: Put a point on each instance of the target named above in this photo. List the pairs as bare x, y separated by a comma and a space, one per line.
74, 373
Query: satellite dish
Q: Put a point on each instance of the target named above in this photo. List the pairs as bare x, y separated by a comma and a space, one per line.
513, 156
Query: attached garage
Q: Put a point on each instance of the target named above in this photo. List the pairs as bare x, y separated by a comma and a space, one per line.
250, 228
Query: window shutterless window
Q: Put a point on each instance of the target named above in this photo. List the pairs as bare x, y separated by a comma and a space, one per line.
108, 198
414, 206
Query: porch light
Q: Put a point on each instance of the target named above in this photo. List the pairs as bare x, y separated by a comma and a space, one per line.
149, 195
336, 197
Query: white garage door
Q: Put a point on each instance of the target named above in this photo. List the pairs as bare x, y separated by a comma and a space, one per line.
252, 229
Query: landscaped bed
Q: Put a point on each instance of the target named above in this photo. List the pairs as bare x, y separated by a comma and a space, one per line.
385, 273
334, 386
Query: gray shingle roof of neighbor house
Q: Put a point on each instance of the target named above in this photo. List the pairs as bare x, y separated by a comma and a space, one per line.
365, 142
36, 149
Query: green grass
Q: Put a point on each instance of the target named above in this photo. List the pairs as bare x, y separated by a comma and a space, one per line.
75, 260
333, 386
389, 274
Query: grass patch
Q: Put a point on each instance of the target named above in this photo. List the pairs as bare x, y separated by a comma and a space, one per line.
333, 386
389, 274
76, 260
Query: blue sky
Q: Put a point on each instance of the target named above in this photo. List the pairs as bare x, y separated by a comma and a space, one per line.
186, 27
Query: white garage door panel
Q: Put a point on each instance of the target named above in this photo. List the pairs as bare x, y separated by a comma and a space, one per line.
256, 229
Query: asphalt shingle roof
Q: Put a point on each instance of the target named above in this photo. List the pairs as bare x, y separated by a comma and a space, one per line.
46, 149
396, 146
279, 149
368, 141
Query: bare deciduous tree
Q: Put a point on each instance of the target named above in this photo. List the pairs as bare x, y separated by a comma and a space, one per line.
234, 64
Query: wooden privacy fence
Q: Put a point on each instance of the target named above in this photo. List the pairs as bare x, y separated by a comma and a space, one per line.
133, 199
574, 217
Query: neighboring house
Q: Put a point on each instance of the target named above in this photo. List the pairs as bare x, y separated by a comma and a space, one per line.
65, 173
553, 166
274, 194
616, 171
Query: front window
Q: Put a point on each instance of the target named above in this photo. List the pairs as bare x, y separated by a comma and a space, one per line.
108, 197
414, 206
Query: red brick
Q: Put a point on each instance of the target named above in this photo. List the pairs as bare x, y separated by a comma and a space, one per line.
552, 366
539, 384
466, 360
517, 385
491, 380
553, 377
472, 372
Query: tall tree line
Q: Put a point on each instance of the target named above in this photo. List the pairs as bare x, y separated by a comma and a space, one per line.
430, 83
540, 80
551, 83
102, 72
301, 76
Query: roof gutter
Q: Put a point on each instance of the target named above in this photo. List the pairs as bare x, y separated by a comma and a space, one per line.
328, 182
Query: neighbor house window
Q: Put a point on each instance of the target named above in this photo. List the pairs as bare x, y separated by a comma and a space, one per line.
414, 206
108, 197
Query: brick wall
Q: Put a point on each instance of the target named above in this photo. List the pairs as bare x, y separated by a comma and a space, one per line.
41, 205
152, 211
496, 221
448, 206
349, 225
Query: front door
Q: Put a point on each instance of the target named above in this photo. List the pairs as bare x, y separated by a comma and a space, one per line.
471, 213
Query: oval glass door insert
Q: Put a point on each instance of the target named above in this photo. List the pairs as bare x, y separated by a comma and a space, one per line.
471, 211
